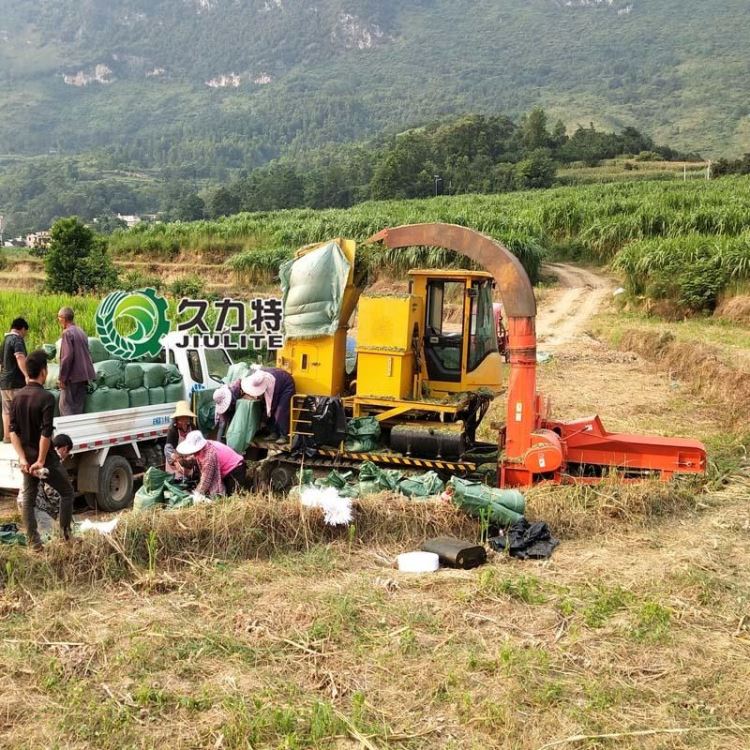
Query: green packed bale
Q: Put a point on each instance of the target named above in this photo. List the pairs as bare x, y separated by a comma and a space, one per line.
98, 351
244, 425
50, 350
174, 392
172, 375
138, 397
110, 373
53, 375
153, 374
133, 376
156, 395
106, 399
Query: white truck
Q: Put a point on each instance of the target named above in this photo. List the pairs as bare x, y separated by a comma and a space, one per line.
113, 448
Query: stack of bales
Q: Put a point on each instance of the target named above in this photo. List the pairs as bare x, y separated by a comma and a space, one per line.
120, 384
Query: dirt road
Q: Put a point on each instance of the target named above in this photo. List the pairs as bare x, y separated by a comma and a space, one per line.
565, 313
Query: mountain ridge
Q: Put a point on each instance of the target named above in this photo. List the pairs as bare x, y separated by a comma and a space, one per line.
266, 77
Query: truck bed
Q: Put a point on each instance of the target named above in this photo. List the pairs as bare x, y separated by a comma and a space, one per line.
94, 431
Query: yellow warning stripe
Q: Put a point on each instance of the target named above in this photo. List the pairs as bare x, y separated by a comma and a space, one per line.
400, 460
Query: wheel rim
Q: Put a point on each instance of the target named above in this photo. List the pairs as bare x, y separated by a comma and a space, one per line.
118, 485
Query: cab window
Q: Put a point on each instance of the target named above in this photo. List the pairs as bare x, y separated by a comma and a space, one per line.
194, 365
217, 364
482, 332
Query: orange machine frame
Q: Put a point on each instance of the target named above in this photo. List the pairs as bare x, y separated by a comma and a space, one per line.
534, 447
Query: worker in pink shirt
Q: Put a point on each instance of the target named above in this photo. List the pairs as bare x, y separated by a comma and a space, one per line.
221, 468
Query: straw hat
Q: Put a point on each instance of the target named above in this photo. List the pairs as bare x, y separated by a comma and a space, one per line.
193, 443
182, 409
255, 385
222, 399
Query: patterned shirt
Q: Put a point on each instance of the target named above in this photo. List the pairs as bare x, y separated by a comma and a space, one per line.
210, 483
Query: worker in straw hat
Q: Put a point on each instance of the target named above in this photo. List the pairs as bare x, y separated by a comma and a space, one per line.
183, 423
276, 388
221, 469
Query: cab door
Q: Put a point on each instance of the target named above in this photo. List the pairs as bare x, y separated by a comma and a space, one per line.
443, 332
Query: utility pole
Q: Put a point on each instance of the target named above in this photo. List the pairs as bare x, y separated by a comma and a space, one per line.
437, 179
708, 170
2, 226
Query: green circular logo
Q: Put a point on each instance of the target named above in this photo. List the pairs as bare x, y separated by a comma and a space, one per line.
143, 313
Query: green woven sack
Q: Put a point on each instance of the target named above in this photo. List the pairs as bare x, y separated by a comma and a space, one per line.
362, 434
245, 423
421, 485
133, 376
156, 396
50, 350
110, 373
138, 397
153, 374
174, 392
502, 507
97, 350
151, 492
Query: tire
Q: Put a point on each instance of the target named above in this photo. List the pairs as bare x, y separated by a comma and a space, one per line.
276, 476
115, 485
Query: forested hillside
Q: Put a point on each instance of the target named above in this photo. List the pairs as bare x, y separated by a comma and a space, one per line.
219, 84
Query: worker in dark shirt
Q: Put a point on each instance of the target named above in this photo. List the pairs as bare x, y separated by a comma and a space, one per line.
31, 429
13, 375
76, 367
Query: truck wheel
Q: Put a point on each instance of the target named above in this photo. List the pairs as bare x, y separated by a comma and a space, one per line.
115, 485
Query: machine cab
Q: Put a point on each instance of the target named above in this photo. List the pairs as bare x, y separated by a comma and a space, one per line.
459, 335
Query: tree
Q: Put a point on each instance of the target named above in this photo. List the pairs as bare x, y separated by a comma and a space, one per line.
536, 171
190, 207
78, 260
223, 202
534, 130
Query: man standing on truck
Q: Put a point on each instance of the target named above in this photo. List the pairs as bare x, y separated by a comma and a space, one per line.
31, 429
76, 367
13, 375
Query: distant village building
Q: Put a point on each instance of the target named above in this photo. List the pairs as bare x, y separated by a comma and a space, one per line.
130, 219
37, 239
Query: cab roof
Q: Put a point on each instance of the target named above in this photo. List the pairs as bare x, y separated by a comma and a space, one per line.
454, 273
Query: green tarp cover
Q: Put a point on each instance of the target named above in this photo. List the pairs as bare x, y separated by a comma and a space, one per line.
138, 397
313, 290
110, 373
502, 507
245, 423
